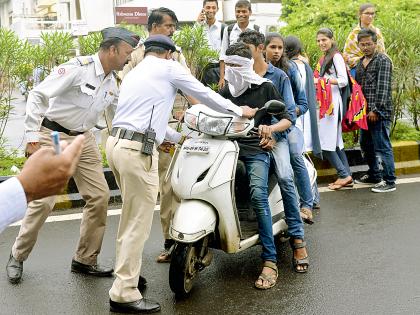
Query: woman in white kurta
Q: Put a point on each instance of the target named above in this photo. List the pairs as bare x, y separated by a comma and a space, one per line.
334, 69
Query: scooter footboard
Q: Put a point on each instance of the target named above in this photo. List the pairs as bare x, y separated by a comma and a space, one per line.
193, 220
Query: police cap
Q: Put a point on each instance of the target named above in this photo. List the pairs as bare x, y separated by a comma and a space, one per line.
160, 41
118, 32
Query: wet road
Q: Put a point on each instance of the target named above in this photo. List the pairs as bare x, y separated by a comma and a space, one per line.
364, 253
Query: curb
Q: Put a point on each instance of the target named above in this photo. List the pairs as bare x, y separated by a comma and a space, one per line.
406, 157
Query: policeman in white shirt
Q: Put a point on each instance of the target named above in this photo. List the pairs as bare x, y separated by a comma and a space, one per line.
44, 174
231, 33
140, 125
70, 101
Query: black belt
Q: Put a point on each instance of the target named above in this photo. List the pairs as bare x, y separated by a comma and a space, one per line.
127, 134
52, 125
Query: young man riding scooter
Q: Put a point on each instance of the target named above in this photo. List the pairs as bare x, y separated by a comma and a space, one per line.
246, 87
281, 151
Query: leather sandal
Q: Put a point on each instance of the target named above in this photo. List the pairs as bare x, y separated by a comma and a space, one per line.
299, 262
306, 215
271, 279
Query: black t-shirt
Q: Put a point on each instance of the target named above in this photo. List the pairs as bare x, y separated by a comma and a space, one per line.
255, 97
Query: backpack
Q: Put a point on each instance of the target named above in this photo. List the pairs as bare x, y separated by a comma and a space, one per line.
230, 28
354, 105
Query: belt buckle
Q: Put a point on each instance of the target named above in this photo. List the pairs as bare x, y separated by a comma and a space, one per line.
73, 133
129, 134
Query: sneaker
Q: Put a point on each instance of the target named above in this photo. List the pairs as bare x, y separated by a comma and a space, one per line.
383, 187
367, 180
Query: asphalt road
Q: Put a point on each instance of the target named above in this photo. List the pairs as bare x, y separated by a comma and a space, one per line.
364, 253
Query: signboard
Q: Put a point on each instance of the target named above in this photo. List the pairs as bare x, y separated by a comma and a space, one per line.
131, 15
79, 28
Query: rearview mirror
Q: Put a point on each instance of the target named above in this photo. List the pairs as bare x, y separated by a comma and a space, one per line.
275, 107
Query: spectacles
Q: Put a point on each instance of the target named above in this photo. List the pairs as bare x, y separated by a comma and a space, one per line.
369, 13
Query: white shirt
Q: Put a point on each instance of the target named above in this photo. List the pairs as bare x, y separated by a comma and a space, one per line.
154, 82
12, 202
73, 95
234, 35
214, 35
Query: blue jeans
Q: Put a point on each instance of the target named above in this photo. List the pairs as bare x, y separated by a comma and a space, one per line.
257, 167
375, 142
302, 181
284, 175
338, 160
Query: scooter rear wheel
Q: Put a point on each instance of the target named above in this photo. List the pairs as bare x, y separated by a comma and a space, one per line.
183, 269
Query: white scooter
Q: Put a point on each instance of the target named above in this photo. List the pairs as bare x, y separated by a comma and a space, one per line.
214, 190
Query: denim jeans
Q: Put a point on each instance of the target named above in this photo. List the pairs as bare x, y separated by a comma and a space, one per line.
302, 181
375, 142
315, 193
284, 175
257, 167
338, 160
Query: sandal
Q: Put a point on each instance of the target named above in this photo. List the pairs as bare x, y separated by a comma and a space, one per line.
270, 279
306, 215
304, 262
338, 186
165, 256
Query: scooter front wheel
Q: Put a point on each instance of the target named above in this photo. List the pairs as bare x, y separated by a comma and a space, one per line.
183, 268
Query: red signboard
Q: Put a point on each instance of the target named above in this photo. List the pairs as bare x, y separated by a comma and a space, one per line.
131, 15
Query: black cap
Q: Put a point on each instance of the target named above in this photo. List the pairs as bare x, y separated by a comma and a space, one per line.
160, 41
118, 32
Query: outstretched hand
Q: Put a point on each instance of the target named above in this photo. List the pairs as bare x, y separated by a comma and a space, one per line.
45, 173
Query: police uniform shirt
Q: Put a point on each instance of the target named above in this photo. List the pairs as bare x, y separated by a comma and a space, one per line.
234, 35
73, 95
153, 83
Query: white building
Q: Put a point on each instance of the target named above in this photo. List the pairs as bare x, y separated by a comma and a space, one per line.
28, 18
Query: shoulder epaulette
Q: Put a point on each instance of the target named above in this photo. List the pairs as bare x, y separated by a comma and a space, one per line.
84, 60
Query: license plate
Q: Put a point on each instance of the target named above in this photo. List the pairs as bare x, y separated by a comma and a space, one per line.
204, 149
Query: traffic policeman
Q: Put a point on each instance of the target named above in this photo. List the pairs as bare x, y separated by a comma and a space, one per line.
139, 126
161, 21
70, 101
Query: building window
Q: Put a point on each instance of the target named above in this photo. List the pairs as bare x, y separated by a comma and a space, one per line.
117, 3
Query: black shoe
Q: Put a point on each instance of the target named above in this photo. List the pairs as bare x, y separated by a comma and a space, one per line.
367, 180
14, 270
94, 270
141, 306
384, 187
142, 283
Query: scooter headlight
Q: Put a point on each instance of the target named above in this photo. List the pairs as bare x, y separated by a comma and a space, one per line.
214, 126
191, 120
237, 127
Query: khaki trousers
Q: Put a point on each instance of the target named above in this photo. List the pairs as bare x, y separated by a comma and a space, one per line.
137, 176
91, 183
169, 202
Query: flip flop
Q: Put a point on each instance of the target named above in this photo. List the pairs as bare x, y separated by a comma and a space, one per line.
335, 186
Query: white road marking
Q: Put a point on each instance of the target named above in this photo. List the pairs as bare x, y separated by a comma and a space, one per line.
78, 216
